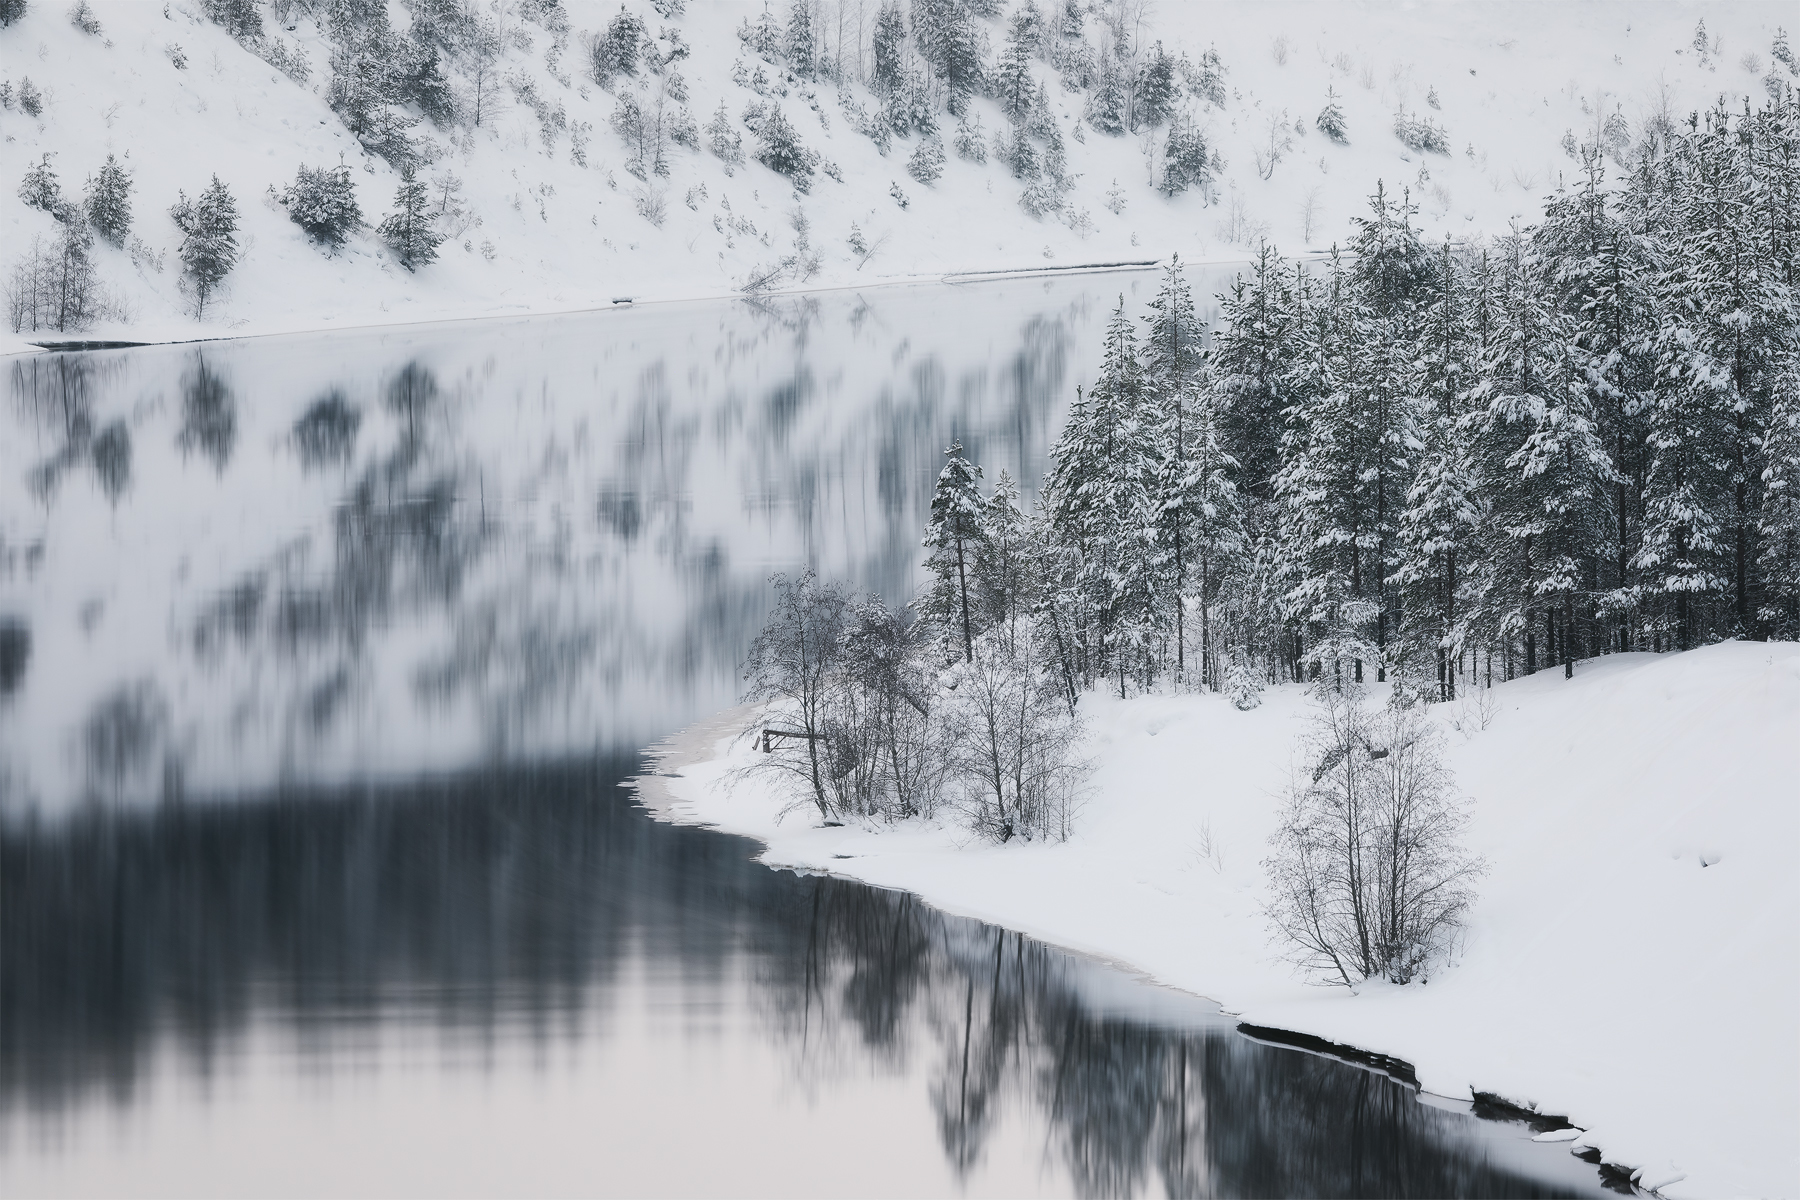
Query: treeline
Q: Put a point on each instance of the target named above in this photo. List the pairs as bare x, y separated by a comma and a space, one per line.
1438, 465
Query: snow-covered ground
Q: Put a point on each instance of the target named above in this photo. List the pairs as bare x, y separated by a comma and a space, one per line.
541, 232
1634, 956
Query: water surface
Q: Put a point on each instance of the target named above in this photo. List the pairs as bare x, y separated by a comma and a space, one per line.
322, 660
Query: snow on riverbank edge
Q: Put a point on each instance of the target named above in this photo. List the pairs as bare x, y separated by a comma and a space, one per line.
1634, 957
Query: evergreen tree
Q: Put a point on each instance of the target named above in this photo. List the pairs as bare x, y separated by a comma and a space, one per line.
209, 248
889, 47
242, 19
800, 42
109, 202
1101, 506
407, 230
723, 139
1006, 572
616, 51
322, 201
1252, 357
1330, 120
927, 162
1014, 86
1185, 162
954, 537
779, 147
1156, 91
947, 41
39, 187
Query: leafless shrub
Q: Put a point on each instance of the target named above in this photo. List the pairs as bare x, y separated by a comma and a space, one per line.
1368, 877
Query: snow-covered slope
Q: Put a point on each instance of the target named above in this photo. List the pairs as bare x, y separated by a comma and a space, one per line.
542, 232
1633, 958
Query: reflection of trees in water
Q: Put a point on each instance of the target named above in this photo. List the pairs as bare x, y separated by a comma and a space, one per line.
208, 413
512, 904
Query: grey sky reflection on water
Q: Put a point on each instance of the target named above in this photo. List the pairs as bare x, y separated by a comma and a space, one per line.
516, 983
326, 557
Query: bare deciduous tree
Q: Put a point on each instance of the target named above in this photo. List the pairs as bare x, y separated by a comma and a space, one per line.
1368, 877
794, 661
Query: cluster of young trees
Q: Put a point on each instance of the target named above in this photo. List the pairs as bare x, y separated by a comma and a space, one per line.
54, 285
893, 713
932, 57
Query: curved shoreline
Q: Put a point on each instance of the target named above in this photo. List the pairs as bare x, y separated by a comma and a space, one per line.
699, 743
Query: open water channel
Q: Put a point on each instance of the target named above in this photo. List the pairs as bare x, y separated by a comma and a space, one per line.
323, 660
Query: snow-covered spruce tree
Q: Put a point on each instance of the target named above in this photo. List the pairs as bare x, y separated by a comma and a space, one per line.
971, 140
31, 100
10, 11
322, 201
363, 90
1600, 272
1155, 92
1725, 335
615, 52
1391, 276
1779, 532
799, 41
927, 162
948, 41
954, 536
407, 230
778, 145
1199, 521
1101, 513
209, 248
108, 202
1544, 467
1368, 877
242, 19
1440, 529
1330, 120
723, 139
889, 48
1006, 567
763, 36
1185, 161
1014, 86
39, 188
1252, 356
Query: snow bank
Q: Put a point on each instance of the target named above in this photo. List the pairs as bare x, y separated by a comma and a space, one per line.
1632, 962
549, 229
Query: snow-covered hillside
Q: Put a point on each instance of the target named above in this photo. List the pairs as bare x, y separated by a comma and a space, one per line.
543, 214
1631, 962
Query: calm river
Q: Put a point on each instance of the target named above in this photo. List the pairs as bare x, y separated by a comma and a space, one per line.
323, 661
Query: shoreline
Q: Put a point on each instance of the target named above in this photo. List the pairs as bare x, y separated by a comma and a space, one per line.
701, 742
1592, 837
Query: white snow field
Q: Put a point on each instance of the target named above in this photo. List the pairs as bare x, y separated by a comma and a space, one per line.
1633, 959
540, 232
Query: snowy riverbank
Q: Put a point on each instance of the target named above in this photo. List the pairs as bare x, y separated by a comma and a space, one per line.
1632, 962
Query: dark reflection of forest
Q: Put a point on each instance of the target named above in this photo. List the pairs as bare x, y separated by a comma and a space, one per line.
501, 905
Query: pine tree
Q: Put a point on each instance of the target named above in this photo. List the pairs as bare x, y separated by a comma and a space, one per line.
322, 201
927, 162
889, 47
109, 202
1014, 86
1185, 161
407, 230
946, 38
209, 248
723, 139
799, 40
1101, 507
1155, 92
1251, 361
1006, 569
1330, 120
954, 537
39, 187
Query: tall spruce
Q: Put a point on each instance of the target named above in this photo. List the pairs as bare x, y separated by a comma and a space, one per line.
954, 536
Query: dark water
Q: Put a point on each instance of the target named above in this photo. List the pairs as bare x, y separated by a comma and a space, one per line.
321, 663
517, 982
